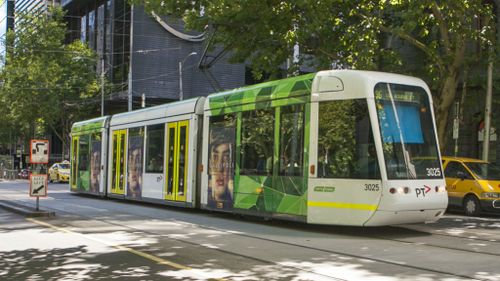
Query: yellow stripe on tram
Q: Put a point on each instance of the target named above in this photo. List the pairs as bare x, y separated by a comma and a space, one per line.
342, 205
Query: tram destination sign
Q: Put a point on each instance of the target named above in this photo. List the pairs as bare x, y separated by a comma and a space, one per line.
39, 152
38, 185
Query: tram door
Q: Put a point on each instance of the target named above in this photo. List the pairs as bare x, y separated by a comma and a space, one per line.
176, 161
119, 148
74, 161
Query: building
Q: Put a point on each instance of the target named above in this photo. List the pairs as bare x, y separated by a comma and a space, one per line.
6, 23
33, 6
141, 54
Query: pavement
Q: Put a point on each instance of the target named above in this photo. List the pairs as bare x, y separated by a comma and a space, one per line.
19, 208
24, 210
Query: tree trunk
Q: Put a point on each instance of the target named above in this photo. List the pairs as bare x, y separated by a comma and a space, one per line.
443, 106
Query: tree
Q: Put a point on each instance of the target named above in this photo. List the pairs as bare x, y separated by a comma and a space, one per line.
451, 36
354, 33
47, 84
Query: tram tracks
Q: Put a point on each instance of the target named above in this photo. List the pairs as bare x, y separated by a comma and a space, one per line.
339, 231
289, 244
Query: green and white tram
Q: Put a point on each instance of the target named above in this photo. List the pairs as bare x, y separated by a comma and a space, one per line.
88, 156
153, 153
334, 147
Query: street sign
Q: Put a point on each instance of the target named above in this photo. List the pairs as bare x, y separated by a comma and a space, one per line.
39, 152
38, 185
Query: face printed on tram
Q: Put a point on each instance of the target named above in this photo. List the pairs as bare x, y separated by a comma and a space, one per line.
135, 172
220, 172
95, 171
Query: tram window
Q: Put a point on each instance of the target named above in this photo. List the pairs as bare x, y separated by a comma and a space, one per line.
345, 141
95, 162
135, 161
407, 130
257, 142
155, 143
83, 154
291, 140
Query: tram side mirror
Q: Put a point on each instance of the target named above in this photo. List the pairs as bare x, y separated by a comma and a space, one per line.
461, 175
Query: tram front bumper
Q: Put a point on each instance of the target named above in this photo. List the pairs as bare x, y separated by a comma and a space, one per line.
381, 217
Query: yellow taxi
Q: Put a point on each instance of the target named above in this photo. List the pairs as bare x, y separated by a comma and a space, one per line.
59, 172
472, 184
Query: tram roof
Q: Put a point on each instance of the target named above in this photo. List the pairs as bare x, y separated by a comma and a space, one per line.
90, 125
272, 90
369, 78
354, 81
191, 106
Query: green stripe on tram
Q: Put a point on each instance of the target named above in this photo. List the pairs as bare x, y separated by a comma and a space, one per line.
288, 91
88, 127
274, 193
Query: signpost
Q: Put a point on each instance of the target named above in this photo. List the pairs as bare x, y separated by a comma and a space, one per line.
39, 154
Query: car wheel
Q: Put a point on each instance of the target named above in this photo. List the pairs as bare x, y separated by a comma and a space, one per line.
471, 206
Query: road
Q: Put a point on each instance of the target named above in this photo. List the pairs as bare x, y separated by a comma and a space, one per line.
101, 239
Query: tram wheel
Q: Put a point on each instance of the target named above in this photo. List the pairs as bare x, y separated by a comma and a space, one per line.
471, 206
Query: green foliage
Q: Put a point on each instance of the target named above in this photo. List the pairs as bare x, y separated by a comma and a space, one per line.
442, 37
264, 33
47, 84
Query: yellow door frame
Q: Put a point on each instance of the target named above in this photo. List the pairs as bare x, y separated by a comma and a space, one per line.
118, 136
75, 149
171, 196
182, 124
174, 196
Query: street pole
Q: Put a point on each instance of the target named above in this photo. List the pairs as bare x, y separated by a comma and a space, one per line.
130, 96
102, 86
181, 92
487, 112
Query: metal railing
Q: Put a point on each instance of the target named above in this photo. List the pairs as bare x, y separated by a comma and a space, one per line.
8, 174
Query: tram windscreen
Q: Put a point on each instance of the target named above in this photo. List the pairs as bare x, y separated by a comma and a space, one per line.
407, 131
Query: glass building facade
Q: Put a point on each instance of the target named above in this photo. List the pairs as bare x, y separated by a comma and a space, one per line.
105, 27
32, 6
141, 56
6, 23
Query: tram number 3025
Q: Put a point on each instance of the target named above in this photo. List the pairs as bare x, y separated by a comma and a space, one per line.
372, 187
433, 172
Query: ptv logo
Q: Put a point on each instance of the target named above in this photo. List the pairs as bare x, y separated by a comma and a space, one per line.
422, 191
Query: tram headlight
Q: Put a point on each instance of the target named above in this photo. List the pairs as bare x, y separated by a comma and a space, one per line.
441, 188
399, 190
491, 195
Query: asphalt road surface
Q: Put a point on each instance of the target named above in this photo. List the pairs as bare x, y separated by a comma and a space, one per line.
101, 239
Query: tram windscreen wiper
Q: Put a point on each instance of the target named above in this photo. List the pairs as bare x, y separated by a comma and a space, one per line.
409, 172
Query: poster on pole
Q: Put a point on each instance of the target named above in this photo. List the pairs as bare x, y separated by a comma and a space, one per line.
39, 152
38, 185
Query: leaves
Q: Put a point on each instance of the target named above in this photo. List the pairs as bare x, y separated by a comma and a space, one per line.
432, 39
47, 84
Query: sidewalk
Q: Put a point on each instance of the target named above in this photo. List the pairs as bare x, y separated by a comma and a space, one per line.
14, 197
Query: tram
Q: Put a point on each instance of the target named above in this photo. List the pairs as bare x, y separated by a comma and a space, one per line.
339, 147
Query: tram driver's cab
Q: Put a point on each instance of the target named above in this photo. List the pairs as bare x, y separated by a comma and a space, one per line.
375, 147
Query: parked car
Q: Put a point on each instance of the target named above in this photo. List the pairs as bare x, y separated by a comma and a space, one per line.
59, 172
472, 184
24, 174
